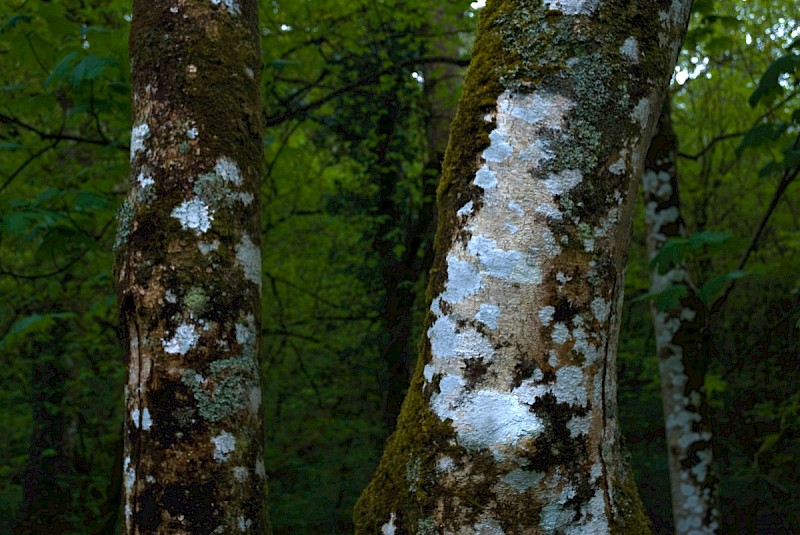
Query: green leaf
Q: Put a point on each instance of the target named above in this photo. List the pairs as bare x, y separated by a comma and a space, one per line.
88, 201
769, 442
791, 159
14, 20
61, 71
760, 134
713, 286
89, 68
33, 324
667, 299
771, 168
768, 85
713, 383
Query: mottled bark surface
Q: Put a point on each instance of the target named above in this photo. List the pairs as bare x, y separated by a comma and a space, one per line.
189, 272
680, 343
510, 424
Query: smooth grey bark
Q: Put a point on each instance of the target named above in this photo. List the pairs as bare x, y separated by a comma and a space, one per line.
681, 345
510, 424
188, 272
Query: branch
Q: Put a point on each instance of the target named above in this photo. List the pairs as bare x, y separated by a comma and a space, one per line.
47, 136
273, 120
788, 177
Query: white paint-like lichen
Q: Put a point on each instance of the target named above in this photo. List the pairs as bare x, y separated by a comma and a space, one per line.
244, 523
630, 49
145, 180
193, 215
488, 315
183, 340
192, 133
224, 445
249, 257
206, 248
228, 170
573, 7
465, 210
389, 528
232, 6
147, 421
139, 134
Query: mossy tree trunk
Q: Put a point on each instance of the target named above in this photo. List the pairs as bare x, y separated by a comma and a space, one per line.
681, 344
189, 272
510, 424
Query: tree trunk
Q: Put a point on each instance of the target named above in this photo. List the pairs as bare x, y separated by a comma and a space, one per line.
189, 272
45, 497
681, 344
510, 424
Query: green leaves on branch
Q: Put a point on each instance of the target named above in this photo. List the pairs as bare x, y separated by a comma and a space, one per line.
773, 80
676, 251
33, 325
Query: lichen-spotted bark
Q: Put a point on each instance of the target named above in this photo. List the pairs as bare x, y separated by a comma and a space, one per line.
510, 425
188, 271
681, 347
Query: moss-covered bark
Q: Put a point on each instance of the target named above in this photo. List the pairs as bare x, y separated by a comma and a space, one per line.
682, 345
510, 424
188, 272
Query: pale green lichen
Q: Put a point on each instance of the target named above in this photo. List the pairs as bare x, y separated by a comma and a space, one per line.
125, 215
195, 301
426, 526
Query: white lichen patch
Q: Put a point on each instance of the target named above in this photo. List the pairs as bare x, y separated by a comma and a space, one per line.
139, 134
600, 308
248, 256
206, 248
261, 470
130, 474
546, 315
389, 528
484, 419
573, 7
561, 183
496, 262
228, 170
145, 180
630, 49
244, 523
463, 280
224, 445
193, 215
192, 133
641, 112
232, 6
249, 72
465, 210
147, 421
488, 315
240, 474
182, 341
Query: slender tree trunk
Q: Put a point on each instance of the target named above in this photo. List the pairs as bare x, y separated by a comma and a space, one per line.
510, 424
189, 272
681, 344
45, 496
